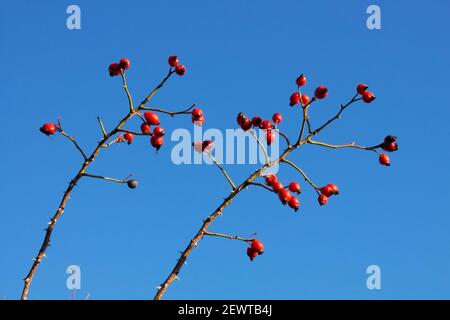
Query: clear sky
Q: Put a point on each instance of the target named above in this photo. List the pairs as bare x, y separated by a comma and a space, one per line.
240, 56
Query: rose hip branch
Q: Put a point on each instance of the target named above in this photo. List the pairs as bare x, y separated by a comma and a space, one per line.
272, 183
151, 127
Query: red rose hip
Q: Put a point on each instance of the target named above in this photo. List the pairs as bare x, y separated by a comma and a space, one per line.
257, 246
384, 160
251, 253
323, 199
145, 128
129, 137
305, 100
157, 142
48, 128
180, 70
158, 131
277, 118
270, 137
301, 80
294, 99
321, 92
173, 61
361, 88
152, 118
295, 187
125, 63
368, 96
266, 124
256, 121
294, 203
114, 69
284, 196
271, 179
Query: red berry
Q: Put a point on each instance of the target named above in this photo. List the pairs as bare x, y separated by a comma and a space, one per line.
284, 195
145, 128
173, 61
390, 139
294, 203
246, 124
334, 188
391, 147
252, 254
158, 131
157, 142
277, 186
152, 118
199, 122
368, 96
305, 100
266, 124
125, 63
198, 117
271, 179
301, 80
48, 128
323, 199
270, 136
129, 137
258, 246
361, 88
327, 191
295, 187
384, 159
240, 117
180, 70
256, 121
277, 118
294, 99
114, 69
321, 92
197, 113
207, 145
198, 146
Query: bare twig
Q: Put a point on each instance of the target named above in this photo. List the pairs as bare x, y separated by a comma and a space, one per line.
101, 126
285, 138
74, 142
107, 178
337, 116
261, 185
221, 169
214, 234
125, 87
252, 132
171, 113
293, 165
136, 133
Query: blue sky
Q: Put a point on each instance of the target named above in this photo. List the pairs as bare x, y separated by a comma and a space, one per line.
240, 56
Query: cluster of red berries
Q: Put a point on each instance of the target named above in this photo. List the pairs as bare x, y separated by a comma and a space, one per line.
321, 92
366, 95
389, 144
179, 68
115, 69
257, 122
256, 248
326, 192
284, 193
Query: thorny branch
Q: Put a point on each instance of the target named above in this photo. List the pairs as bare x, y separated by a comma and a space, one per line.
173, 275
82, 172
